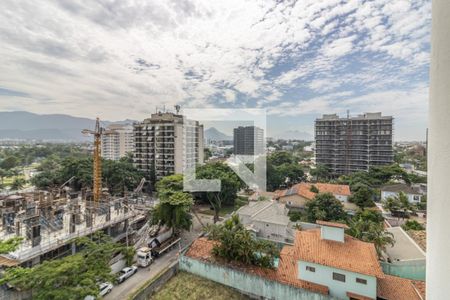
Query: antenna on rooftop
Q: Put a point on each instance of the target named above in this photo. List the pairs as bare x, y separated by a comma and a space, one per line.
177, 109
348, 114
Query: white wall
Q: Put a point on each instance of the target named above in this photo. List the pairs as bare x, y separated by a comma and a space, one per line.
332, 233
386, 194
271, 231
438, 242
324, 275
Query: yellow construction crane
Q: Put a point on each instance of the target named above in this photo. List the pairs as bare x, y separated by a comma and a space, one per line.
97, 133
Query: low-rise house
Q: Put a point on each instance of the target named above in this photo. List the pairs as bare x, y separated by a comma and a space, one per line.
322, 264
414, 193
267, 220
299, 194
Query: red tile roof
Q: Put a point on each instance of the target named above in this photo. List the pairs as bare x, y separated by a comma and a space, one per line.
332, 224
285, 273
303, 189
396, 288
420, 287
311, 248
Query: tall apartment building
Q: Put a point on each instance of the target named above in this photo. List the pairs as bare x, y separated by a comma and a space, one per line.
353, 144
248, 140
117, 141
169, 143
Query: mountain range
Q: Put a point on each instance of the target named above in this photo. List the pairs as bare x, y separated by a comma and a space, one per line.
212, 134
52, 127
23, 125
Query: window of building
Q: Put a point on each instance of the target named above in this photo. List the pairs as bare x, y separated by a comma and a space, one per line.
311, 269
360, 280
338, 277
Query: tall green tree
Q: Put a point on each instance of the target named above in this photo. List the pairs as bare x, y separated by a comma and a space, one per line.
229, 185
279, 158
9, 163
120, 175
283, 170
362, 196
173, 211
321, 172
325, 207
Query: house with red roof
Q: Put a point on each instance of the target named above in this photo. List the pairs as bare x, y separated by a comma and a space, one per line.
299, 194
323, 263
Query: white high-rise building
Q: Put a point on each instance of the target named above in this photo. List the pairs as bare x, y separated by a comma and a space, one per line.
117, 141
168, 143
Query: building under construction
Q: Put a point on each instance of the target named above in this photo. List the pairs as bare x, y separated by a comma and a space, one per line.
48, 222
354, 144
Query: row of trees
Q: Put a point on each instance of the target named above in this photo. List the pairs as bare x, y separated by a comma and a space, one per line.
117, 175
25, 155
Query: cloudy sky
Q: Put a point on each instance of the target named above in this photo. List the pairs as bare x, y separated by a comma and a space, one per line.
298, 59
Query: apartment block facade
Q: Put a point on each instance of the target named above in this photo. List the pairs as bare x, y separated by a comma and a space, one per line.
167, 142
117, 141
354, 144
248, 140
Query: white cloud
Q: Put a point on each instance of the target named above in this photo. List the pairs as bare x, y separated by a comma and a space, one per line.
120, 59
339, 47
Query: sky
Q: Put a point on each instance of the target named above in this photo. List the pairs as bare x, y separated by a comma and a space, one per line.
123, 59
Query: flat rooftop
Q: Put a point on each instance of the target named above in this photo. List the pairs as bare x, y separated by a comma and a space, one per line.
405, 248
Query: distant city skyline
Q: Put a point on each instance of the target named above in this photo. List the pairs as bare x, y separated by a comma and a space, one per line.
299, 60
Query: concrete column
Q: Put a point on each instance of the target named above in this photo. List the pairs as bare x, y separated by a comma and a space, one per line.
438, 241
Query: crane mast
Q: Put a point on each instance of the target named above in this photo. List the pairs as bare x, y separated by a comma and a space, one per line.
97, 161
97, 175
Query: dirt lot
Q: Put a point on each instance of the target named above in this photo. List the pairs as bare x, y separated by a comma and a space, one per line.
190, 287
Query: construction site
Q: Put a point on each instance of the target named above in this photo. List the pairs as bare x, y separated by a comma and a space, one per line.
48, 221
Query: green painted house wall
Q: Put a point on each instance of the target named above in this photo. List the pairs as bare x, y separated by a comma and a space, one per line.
414, 269
247, 283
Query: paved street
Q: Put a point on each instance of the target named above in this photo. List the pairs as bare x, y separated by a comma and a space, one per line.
122, 291
125, 289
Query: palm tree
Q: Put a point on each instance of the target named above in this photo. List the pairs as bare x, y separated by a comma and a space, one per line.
379, 237
372, 232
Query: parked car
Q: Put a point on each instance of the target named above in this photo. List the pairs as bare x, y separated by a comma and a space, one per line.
126, 273
105, 288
